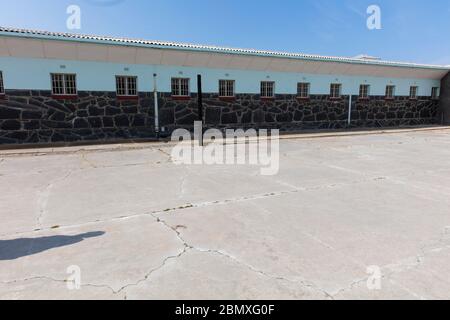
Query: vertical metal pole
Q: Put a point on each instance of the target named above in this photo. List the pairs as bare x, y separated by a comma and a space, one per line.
198, 132
200, 107
200, 97
155, 96
350, 110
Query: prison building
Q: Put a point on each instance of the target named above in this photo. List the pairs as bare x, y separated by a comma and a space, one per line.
59, 87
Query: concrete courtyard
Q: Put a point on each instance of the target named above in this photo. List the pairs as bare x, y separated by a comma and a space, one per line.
140, 227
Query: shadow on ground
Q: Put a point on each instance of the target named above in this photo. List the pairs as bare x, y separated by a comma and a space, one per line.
18, 248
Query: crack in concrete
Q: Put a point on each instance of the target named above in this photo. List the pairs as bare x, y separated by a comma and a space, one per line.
113, 291
424, 189
401, 266
306, 137
168, 155
165, 153
75, 150
44, 197
185, 206
302, 283
151, 272
394, 268
347, 170
173, 229
320, 241
47, 278
326, 245
272, 194
415, 295
92, 165
182, 190
188, 247
350, 287
85, 160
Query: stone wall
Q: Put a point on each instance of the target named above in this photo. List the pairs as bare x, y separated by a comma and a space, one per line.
287, 113
35, 117
444, 106
377, 112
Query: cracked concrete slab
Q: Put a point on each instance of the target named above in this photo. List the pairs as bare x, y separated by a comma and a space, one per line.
110, 254
126, 191
48, 289
208, 275
423, 277
140, 227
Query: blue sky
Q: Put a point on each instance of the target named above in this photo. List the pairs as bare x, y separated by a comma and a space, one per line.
414, 30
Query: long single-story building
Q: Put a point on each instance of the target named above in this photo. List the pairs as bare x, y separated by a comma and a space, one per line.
59, 87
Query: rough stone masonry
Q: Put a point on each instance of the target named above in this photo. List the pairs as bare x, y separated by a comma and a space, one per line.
30, 116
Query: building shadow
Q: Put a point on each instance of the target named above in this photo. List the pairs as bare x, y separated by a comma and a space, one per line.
18, 248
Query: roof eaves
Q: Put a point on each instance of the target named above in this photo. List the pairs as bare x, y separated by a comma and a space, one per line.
204, 48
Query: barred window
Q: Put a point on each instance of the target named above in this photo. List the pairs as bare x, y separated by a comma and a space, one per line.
267, 89
390, 92
364, 91
64, 84
435, 93
226, 88
126, 86
2, 87
335, 90
303, 89
413, 92
180, 87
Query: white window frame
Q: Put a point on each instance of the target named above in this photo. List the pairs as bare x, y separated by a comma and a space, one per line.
364, 91
267, 89
180, 87
390, 92
435, 93
303, 89
413, 92
2, 86
128, 88
64, 88
336, 94
227, 88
